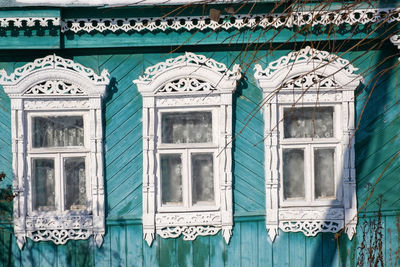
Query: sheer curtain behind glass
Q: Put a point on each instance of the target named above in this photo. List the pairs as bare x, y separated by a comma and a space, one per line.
58, 131
75, 183
43, 184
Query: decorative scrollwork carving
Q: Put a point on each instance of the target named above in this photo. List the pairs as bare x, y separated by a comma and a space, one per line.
56, 104
55, 87
311, 227
306, 56
187, 84
52, 62
235, 21
310, 80
188, 232
59, 236
59, 229
186, 60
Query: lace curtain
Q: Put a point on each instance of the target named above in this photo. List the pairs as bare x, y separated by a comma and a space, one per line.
75, 183
190, 127
308, 122
171, 179
58, 131
324, 173
43, 184
202, 178
293, 173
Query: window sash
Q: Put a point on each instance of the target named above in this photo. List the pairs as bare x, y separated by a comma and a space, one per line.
187, 185
336, 126
215, 127
59, 183
309, 177
86, 130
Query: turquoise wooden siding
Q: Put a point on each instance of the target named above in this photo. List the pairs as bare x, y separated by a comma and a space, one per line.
376, 143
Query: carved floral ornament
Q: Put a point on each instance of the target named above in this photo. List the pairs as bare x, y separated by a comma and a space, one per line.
310, 77
59, 86
198, 83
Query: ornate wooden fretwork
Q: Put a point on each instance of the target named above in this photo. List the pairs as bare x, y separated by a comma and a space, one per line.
235, 21
54, 84
309, 76
187, 81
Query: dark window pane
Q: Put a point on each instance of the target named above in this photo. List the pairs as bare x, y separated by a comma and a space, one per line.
202, 178
293, 173
58, 131
43, 186
189, 127
308, 122
171, 179
75, 183
324, 172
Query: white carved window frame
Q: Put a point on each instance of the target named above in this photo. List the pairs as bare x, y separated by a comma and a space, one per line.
312, 78
188, 83
56, 86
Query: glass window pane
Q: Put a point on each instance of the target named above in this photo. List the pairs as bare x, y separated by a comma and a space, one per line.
202, 178
57, 131
324, 172
308, 122
43, 185
293, 173
75, 183
189, 127
171, 179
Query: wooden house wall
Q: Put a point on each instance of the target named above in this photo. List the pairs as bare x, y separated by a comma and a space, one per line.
377, 143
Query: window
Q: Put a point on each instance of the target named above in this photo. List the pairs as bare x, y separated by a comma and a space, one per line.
57, 150
187, 153
187, 133
309, 143
57, 160
308, 148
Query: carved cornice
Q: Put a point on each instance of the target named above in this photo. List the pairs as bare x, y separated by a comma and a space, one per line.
237, 21
52, 62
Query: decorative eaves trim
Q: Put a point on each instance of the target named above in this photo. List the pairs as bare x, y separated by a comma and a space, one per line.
20, 22
239, 21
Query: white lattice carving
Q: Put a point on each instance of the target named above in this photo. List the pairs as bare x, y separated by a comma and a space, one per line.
187, 84
311, 214
197, 83
188, 232
311, 227
310, 97
55, 88
186, 60
56, 85
201, 100
309, 77
57, 104
236, 21
52, 62
201, 218
29, 22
